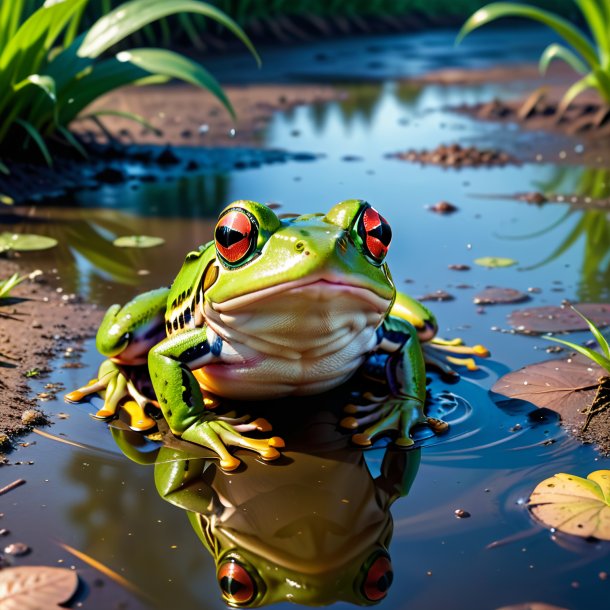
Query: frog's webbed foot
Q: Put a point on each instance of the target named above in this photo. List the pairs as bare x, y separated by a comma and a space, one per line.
219, 432
119, 394
444, 355
381, 415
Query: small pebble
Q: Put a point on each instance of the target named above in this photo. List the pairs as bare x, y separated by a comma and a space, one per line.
461, 514
17, 548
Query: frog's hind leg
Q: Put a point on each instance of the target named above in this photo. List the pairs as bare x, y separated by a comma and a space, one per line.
441, 354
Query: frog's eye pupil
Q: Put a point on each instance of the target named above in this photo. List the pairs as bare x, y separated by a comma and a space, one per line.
236, 584
235, 236
375, 233
378, 579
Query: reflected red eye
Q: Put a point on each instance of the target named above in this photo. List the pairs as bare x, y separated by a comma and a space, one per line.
235, 235
378, 579
375, 233
236, 584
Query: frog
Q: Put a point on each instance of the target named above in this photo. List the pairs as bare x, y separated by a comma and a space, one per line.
272, 308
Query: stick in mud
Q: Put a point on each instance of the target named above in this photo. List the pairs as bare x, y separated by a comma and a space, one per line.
11, 486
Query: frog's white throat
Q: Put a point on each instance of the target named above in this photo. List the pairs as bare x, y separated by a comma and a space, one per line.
299, 338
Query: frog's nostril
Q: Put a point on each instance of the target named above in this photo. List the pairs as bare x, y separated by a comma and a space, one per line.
299, 246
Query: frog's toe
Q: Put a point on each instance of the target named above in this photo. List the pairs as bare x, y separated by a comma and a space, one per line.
103, 415
229, 463
81, 393
137, 418
361, 439
438, 426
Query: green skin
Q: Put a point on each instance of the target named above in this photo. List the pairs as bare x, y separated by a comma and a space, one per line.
288, 251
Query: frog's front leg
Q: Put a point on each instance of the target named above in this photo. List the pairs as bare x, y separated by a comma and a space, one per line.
399, 364
182, 403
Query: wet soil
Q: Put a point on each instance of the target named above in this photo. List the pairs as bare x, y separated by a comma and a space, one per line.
37, 322
197, 133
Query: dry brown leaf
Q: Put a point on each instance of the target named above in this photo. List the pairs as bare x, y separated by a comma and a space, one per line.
36, 587
559, 319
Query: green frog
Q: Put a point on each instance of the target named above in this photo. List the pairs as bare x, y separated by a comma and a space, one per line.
272, 308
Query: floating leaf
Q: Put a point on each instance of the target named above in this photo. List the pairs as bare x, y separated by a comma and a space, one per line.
495, 261
25, 242
497, 296
138, 241
567, 386
35, 587
554, 319
574, 505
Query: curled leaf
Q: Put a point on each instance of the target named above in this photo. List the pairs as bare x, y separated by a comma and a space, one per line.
574, 505
495, 261
35, 587
138, 241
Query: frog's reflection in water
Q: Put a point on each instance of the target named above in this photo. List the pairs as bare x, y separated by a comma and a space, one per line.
313, 527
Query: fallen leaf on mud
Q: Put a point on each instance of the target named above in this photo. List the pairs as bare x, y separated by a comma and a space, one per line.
25, 242
574, 505
35, 587
567, 386
499, 296
554, 319
138, 241
495, 261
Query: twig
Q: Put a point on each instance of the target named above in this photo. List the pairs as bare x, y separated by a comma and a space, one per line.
11, 486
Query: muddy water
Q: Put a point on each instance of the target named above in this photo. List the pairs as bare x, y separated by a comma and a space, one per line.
95, 500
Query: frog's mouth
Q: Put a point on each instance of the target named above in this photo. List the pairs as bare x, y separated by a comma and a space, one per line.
324, 288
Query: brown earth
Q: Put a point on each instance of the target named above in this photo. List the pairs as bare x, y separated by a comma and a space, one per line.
37, 322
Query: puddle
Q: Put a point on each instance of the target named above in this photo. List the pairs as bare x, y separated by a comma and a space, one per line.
96, 500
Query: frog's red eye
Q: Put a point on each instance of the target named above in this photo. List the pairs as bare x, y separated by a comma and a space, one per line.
378, 579
236, 234
236, 584
375, 233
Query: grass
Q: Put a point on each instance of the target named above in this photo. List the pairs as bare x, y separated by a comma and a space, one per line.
603, 359
50, 70
6, 286
588, 53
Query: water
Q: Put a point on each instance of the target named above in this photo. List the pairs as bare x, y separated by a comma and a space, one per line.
95, 500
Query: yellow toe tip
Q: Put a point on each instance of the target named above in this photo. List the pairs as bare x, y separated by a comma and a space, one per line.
74, 396
229, 463
350, 423
362, 440
276, 441
262, 425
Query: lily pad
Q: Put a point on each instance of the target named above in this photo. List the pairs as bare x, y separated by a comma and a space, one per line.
35, 587
495, 261
574, 505
552, 319
25, 242
138, 241
499, 296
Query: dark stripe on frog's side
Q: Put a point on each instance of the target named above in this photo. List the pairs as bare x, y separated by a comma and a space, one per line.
185, 306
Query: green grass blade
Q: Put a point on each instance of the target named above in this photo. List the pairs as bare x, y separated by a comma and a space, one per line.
585, 351
132, 116
168, 63
564, 28
596, 20
38, 140
69, 137
135, 14
7, 285
557, 51
586, 82
44, 82
596, 332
